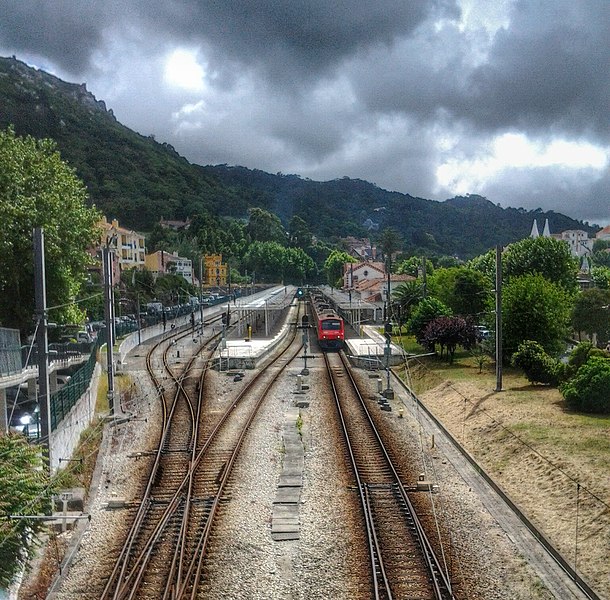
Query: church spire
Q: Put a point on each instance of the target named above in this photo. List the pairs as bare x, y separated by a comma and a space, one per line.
534, 233
546, 232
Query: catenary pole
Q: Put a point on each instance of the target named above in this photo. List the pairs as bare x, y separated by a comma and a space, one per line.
40, 292
498, 318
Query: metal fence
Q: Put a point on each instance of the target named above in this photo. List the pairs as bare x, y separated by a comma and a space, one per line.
10, 351
66, 397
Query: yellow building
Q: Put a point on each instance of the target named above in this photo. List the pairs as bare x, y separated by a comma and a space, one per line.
128, 245
215, 272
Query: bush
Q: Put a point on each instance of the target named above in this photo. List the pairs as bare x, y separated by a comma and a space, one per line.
537, 365
589, 390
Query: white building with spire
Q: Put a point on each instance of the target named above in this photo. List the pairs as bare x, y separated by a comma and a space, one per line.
578, 240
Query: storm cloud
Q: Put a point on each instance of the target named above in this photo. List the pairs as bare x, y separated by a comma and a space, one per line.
431, 98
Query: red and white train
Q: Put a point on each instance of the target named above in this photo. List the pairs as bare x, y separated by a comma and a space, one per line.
330, 328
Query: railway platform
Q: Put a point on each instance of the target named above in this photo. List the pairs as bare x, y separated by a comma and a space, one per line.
369, 349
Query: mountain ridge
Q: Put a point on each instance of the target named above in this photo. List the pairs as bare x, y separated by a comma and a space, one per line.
139, 180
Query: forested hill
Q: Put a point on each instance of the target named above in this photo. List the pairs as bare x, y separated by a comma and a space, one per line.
463, 226
139, 181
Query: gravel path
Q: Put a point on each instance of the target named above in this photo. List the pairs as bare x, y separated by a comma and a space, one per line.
247, 564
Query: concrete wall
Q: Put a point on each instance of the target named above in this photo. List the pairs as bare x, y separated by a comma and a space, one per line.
65, 438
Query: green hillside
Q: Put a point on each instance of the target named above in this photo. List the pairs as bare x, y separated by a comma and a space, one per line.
138, 180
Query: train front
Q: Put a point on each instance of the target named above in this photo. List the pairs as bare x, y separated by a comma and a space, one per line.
331, 332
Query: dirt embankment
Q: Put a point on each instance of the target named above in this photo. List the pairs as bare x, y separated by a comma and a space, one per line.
552, 462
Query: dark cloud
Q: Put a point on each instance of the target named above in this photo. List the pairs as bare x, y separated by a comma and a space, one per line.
547, 71
284, 39
390, 91
64, 32
552, 189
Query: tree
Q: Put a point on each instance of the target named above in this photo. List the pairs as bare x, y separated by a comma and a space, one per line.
537, 365
404, 298
37, 189
449, 333
601, 277
533, 308
464, 290
273, 262
589, 390
390, 243
427, 310
299, 233
412, 266
333, 266
548, 257
591, 313
24, 490
264, 226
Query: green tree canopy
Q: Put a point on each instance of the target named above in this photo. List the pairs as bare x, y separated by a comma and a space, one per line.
264, 226
591, 313
427, 310
548, 257
589, 390
390, 243
466, 291
333, 266
535, 309
37, 189
413, 265
24, 490
299, 233
537, 365
601, 277
404, 298
273, 262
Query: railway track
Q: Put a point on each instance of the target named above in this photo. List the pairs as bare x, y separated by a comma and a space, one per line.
165, 551
403, 563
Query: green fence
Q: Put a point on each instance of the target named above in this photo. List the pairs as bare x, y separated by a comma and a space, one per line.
65, 398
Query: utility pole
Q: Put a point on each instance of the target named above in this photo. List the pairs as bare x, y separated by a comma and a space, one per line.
138, 317
201, 289
107, 264
498, 318
44, 400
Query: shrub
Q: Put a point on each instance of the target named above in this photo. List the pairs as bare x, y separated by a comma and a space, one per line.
589, 390
537, 365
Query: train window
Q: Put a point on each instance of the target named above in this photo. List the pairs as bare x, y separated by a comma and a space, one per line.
331, 325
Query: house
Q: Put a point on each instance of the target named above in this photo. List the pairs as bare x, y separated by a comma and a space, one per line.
354, 273
129, 246
360, 249
215, 272
603, 234
162, 263
376, 290
578, 241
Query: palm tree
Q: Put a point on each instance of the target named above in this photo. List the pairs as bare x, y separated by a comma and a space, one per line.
405, 297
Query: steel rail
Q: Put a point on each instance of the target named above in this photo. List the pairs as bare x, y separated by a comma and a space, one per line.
130, 584
440, 584
118, 571
376, 558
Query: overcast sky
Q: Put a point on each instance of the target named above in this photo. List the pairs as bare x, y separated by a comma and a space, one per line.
504, 98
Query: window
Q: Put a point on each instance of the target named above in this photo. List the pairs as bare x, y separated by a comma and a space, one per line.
331, 325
